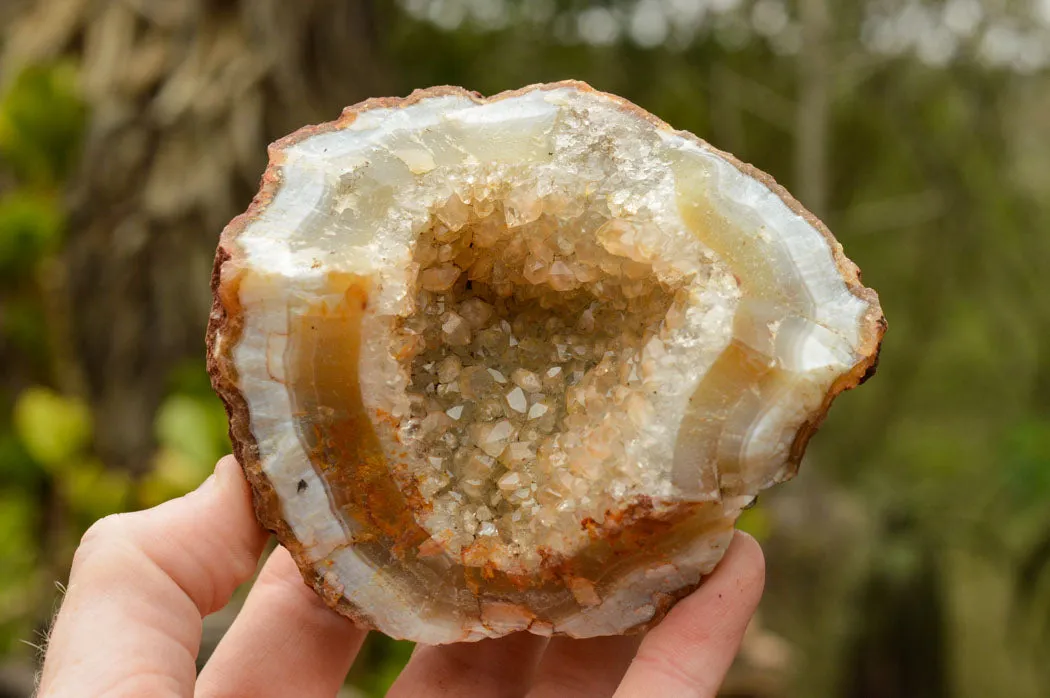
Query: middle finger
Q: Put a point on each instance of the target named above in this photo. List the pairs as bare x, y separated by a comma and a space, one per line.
591, 667
284, 642
484, 669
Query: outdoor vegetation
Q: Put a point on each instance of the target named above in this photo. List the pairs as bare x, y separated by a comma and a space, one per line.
911, 557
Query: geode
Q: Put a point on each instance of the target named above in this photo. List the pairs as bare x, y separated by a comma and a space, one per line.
519, 363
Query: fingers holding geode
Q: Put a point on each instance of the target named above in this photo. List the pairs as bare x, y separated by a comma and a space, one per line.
690, 651
284, 642
131, 618
501, 668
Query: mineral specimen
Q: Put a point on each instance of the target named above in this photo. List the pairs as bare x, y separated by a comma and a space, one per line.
519, 363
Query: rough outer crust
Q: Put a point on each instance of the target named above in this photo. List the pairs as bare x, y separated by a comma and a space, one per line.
225, 322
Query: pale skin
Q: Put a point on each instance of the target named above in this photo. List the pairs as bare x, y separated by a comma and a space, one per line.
141, 583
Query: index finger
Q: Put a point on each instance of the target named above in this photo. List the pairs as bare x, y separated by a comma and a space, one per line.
140, 584
690, 651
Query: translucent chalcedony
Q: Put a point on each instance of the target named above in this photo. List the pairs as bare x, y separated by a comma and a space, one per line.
518, 363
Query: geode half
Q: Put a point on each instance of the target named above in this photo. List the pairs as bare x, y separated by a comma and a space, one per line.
518, 363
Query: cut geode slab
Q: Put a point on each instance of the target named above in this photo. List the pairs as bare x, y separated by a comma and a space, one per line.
519, 363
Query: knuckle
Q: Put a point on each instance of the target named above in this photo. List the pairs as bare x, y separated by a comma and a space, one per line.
104, 530
106, 534
155, 684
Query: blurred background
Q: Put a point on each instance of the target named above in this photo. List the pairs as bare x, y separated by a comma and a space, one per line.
911, 557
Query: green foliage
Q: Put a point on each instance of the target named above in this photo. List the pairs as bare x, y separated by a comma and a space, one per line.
925, 192
756, 522
17, 467
31, 226
193, 426
173, 474
191, 433
383, 659
53, 428
18, 519
42, 121
92, 491
50, 487
1026, 462
22, 323
190, 378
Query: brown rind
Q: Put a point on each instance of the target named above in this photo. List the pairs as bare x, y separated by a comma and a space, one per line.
225, 324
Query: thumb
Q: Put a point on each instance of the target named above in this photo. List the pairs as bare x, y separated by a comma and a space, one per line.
140, 585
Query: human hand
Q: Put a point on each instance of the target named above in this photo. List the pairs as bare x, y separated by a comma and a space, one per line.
141, 583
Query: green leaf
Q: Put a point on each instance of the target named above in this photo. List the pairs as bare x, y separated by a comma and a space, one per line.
53, 428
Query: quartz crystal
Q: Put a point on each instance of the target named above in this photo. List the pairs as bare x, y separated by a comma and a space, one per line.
519, 363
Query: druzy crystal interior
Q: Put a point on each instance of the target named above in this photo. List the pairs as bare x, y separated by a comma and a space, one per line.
519, 363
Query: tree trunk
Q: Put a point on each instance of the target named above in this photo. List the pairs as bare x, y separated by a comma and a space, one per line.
183, 99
